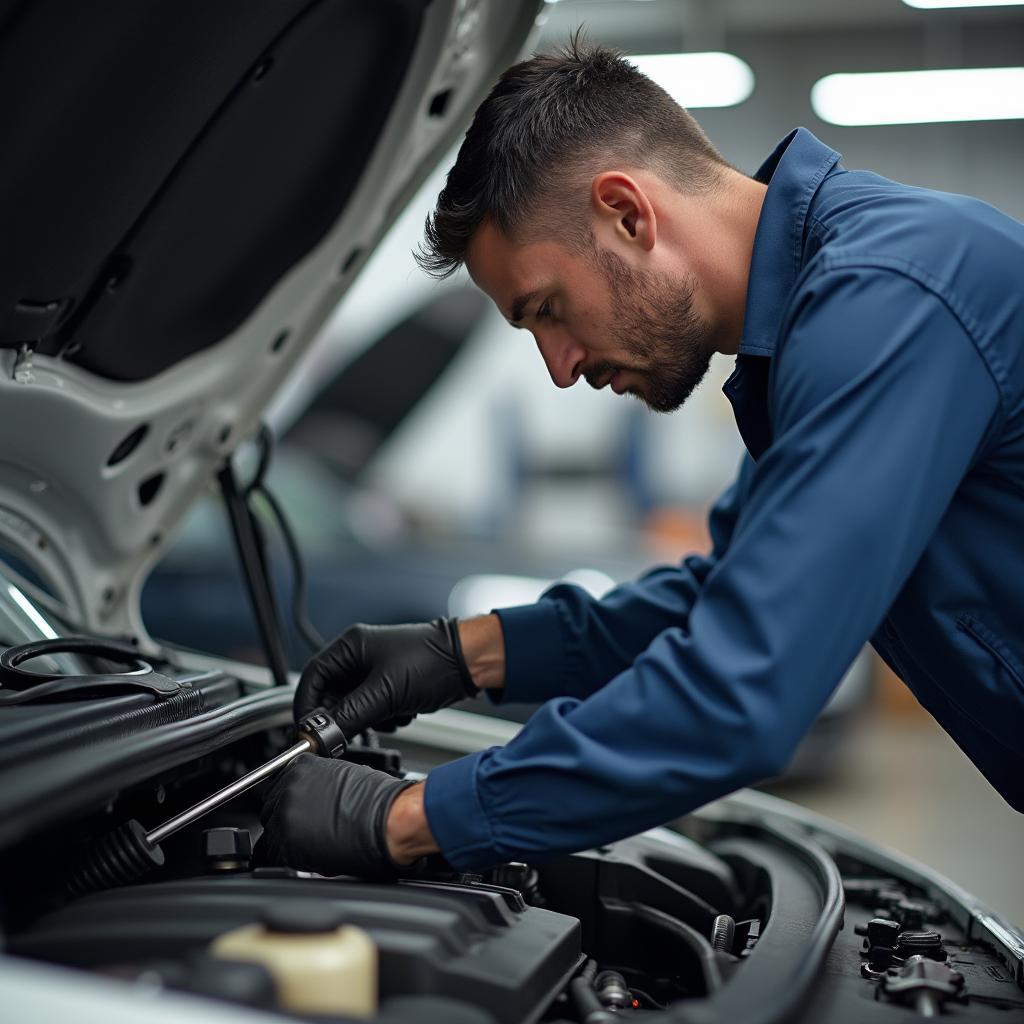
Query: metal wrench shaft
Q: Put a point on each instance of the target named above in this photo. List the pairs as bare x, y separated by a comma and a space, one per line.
129, 852
224, 795
317, 733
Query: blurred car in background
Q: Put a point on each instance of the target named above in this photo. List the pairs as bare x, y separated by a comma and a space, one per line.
364, 563
369, 557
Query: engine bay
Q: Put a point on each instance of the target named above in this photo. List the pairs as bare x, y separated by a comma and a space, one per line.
654, 922
502, 946
726, 916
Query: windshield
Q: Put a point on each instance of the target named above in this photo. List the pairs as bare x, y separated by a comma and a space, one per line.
22, 621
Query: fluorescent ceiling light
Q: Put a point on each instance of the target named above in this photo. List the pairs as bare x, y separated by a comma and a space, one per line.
699, 79
935, 5
916, 97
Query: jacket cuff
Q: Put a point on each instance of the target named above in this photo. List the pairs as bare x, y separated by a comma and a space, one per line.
534, 653
455, 815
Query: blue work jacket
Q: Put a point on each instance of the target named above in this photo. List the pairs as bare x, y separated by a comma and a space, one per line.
879, 389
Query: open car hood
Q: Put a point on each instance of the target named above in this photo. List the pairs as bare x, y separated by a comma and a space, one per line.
188, 190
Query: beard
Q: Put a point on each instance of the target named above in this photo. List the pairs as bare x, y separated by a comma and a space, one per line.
658, 327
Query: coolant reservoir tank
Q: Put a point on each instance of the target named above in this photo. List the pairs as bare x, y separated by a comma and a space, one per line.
319, 963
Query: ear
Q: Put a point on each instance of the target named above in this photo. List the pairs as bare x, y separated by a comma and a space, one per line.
621, 205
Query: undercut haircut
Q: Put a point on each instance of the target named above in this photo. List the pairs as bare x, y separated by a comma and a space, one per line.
548, 126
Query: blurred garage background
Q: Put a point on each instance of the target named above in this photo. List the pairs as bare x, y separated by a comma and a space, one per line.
428, 464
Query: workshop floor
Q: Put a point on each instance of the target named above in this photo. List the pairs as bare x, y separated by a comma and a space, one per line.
905, 784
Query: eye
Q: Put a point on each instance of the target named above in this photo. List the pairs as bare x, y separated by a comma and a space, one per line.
544, 310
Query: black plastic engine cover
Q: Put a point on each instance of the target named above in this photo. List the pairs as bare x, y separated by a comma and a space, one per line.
460, 943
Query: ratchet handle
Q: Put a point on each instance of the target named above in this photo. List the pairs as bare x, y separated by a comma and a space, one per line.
323, 733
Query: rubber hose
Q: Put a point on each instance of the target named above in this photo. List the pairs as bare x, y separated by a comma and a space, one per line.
118, 858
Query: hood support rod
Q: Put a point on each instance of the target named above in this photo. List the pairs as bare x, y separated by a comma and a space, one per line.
252, 554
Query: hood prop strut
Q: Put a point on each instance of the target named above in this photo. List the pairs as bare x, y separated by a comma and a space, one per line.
252, 553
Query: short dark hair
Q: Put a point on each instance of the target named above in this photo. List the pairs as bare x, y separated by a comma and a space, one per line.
548, 122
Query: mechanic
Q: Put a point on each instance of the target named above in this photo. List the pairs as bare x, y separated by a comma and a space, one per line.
878, 331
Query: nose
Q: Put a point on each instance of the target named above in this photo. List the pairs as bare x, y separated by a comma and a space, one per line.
562, 356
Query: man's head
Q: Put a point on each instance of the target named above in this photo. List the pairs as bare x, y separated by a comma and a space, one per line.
581, 201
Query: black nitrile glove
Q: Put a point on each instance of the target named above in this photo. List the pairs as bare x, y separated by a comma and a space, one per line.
383, 676
329, 817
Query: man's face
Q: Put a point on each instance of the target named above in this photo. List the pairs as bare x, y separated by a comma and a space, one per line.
594, 316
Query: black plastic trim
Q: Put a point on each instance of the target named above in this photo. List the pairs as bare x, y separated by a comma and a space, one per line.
113, 718
807, 914
49, 790
979, 922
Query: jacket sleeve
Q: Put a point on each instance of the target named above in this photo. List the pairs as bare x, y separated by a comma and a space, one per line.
569, 644
881, 403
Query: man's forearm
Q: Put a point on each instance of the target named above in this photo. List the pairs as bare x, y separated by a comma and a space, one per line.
408, 833
483, 647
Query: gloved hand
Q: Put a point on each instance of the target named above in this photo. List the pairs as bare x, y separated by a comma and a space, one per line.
383, 676
329, 817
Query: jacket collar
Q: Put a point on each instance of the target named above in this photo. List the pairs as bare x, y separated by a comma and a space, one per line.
793, 173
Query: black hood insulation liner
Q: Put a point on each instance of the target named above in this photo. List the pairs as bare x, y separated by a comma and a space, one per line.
166, 163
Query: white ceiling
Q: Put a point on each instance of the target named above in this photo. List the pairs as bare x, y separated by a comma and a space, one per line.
790, 44
689, 21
